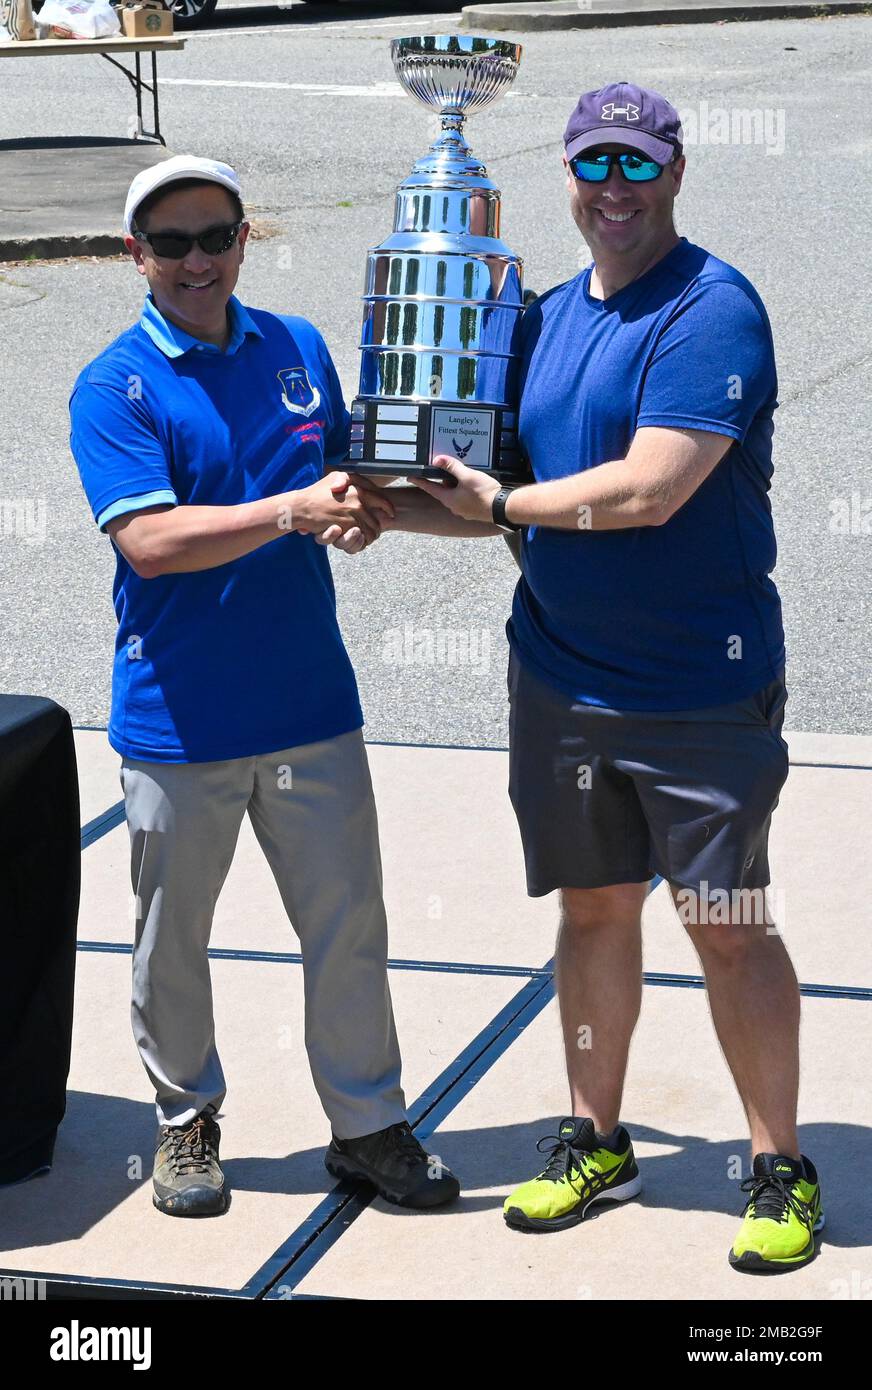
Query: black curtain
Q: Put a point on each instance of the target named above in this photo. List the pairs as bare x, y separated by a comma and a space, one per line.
40, 865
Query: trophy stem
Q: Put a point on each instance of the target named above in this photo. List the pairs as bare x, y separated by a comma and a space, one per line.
451, 140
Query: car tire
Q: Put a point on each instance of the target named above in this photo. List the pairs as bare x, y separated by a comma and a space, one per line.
191, 14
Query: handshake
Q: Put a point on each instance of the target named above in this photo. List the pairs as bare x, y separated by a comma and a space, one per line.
349, 512
346, 511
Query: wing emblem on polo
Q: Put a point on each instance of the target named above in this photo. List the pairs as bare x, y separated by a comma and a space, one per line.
298, 394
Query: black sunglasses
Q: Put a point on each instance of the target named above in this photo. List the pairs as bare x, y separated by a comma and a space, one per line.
174, 245
596, 168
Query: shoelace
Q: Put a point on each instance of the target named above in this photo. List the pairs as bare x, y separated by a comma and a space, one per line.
560, 1164
192, 1149
772, 1198
407, 1146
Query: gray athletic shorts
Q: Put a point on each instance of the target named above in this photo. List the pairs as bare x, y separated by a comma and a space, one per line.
607, 796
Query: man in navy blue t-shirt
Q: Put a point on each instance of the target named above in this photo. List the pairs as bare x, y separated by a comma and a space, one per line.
201, 435
646, 675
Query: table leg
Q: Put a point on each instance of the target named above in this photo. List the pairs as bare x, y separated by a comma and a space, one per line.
138, 84
136, 81
157, 133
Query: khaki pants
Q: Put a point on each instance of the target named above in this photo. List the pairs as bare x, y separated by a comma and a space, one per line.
317, 827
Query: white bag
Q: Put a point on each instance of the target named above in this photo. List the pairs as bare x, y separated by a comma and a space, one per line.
80, 19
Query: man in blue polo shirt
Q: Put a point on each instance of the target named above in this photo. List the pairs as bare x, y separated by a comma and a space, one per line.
201, 435
646, 673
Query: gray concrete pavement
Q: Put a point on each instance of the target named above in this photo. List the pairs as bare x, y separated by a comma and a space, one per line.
465, 939
321, 151
61, 196
608, 14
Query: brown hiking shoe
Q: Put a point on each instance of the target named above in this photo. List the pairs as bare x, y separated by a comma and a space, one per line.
188, 1180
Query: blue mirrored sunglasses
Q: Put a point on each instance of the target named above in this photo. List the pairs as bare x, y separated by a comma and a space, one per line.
596, 168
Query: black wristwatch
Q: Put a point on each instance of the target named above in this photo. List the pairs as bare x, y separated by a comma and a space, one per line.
498, 511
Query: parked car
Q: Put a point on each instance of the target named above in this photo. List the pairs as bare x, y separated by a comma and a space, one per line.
190, 14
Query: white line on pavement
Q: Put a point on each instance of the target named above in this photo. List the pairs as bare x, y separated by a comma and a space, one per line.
316, 89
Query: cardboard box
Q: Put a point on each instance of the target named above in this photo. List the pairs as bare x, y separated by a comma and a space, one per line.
146, 19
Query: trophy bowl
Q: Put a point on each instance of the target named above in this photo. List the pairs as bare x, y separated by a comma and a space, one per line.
455, 72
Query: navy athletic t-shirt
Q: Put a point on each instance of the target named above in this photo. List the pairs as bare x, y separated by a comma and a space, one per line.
246, 657
683, 615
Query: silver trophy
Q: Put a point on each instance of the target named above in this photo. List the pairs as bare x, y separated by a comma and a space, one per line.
443, 294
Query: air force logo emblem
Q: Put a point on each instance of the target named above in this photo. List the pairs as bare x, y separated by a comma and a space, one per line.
298, 394
461, 450
630, 112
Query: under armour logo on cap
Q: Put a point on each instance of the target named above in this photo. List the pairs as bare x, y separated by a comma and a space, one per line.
629, 112
622, 113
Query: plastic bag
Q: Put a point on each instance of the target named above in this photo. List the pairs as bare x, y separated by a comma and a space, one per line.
16, 16
80, 19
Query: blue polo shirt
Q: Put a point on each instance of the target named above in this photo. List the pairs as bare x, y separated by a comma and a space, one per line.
672, 617
244, 658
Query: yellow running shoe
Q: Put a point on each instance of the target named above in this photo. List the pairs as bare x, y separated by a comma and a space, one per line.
583, 1168
782, 1215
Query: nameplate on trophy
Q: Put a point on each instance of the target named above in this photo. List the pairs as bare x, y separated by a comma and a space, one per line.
465, 434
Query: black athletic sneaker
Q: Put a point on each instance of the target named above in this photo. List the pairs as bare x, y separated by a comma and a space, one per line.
188, 1180
396, 1165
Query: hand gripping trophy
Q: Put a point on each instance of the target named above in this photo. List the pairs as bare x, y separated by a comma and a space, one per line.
443, 294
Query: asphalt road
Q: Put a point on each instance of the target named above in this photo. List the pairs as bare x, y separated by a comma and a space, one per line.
323, 165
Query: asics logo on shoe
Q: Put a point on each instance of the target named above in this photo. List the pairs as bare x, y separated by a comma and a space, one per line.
783, 1168
609, 1174
599, 1178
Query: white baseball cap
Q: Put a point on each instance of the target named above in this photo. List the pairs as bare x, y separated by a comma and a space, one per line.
181, 166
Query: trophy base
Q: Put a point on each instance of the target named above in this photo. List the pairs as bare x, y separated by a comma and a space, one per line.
400, 438
397, 470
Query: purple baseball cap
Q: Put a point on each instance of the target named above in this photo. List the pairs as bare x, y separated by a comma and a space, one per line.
621, 114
